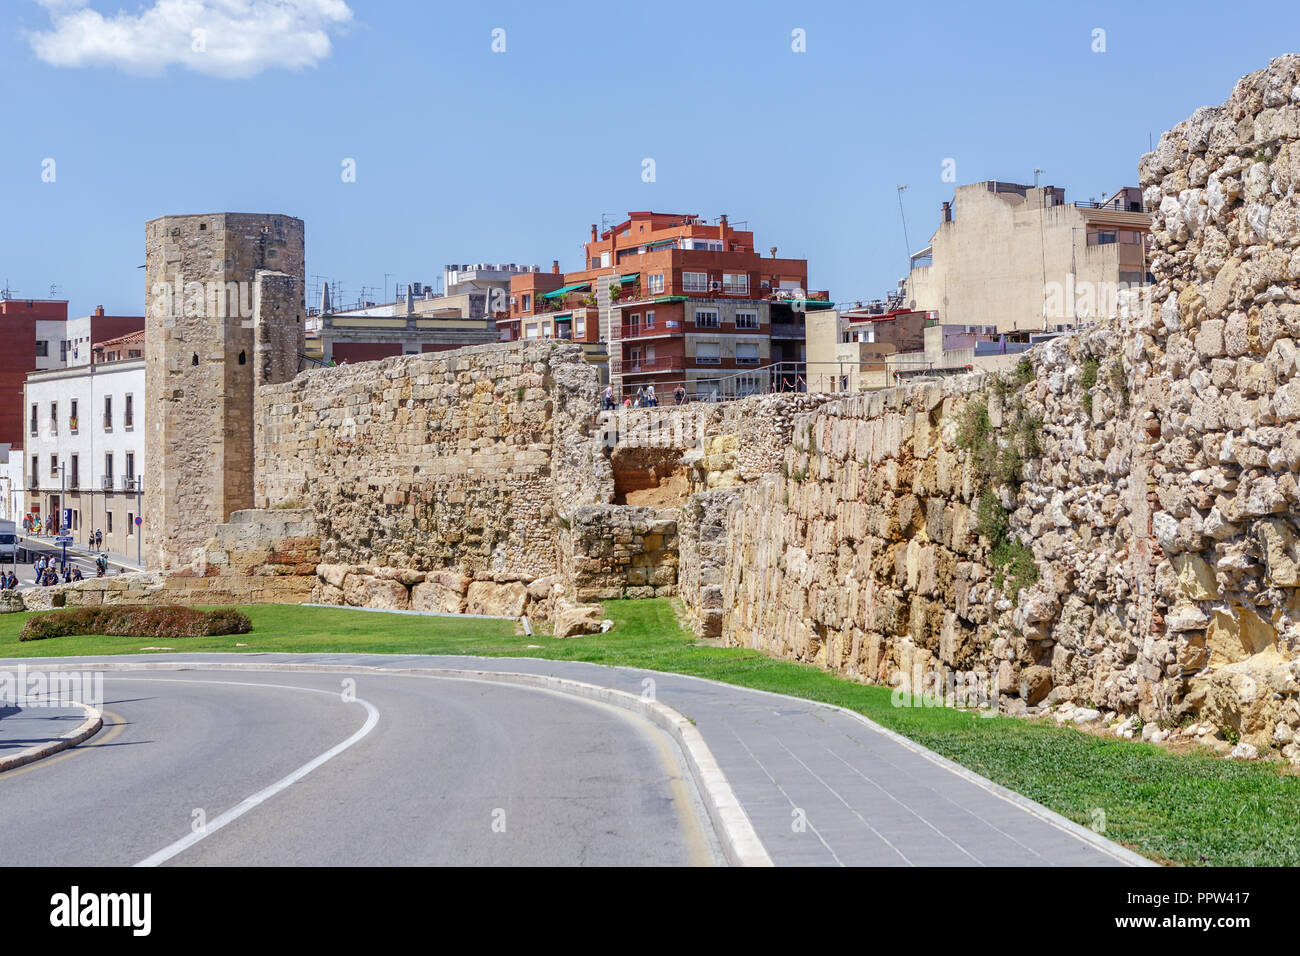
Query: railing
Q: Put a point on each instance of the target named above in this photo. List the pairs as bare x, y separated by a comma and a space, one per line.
74, 482
106, 482
128, 482
659, 328
72, 424
668, 363
108, 423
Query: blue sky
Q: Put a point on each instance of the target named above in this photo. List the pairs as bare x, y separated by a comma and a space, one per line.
466, 155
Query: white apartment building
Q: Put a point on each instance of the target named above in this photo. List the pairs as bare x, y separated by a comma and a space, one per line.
85, 451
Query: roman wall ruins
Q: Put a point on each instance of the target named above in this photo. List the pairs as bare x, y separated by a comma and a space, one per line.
1139, 480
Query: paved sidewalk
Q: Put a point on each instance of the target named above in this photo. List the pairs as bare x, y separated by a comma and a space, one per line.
821, 787
23, 727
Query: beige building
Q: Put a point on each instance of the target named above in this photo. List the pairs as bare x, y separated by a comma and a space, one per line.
1022, 258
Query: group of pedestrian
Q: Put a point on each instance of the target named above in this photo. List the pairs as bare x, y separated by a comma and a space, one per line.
49, 572
645, 398
8, 581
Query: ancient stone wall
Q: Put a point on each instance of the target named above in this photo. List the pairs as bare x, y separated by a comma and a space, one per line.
1109, 526
454, 461
618, 551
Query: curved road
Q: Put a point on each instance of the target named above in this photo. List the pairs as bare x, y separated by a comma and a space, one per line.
419, 766
205, 768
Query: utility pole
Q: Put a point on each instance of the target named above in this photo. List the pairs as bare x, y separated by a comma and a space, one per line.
139, 517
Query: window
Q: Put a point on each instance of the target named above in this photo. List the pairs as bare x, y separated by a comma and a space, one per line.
706, 318
707, 353
746, 320
36, 467
634, 323
74, 472
130, 524
108, 521
527, 301
108, 413
108, 469
35, 414
736, 283
130, 471
42, 348
63, 351
655, 282
747, 353
72, 416
634, 358
54, 466
128, 411
530, 331
650, 319
695, 282
579, 326
54, 418
604, 260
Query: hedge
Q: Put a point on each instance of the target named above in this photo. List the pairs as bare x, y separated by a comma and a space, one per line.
133, 620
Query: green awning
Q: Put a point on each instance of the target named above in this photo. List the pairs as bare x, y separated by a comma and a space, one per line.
660, 243
810, 304
565, 290
630, 277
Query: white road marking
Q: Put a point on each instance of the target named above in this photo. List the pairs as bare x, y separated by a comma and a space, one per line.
248, 803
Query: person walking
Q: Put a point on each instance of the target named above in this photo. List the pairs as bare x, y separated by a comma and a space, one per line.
679, 395
651, 400
607, 402
99, 539
640, 396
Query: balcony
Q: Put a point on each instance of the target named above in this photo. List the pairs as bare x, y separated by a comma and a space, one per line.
74, 482
128, 483
670, 327
667, 363
33, 482
108, 423
72, 424
107, 482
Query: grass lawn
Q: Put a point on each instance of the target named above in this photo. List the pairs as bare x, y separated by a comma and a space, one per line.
1179, 808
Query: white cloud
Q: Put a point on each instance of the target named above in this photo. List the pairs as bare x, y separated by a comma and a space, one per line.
228, 38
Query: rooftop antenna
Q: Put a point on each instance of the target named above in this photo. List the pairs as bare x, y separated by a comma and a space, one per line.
902, 215
1036, 172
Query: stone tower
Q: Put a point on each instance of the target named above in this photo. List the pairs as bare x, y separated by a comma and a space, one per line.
225, 304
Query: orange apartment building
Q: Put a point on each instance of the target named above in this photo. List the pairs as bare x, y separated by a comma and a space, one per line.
675, 300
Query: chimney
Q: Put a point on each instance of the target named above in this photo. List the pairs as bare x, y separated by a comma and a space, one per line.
410, 300
99, 311
593, 232
555, 267
947, 212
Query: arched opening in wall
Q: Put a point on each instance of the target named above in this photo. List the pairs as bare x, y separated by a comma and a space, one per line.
648, 476
243, 359
194, 360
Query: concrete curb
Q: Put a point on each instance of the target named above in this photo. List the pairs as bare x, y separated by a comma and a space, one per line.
86, 729
740, 843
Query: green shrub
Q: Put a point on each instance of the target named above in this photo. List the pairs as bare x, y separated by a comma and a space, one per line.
992, 517
1024, 372
134, 620
1015, 565
1090, 369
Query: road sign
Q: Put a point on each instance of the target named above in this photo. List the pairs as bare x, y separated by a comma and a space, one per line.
64, 539
139, 520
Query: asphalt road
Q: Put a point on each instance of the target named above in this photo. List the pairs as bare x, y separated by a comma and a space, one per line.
206, 768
